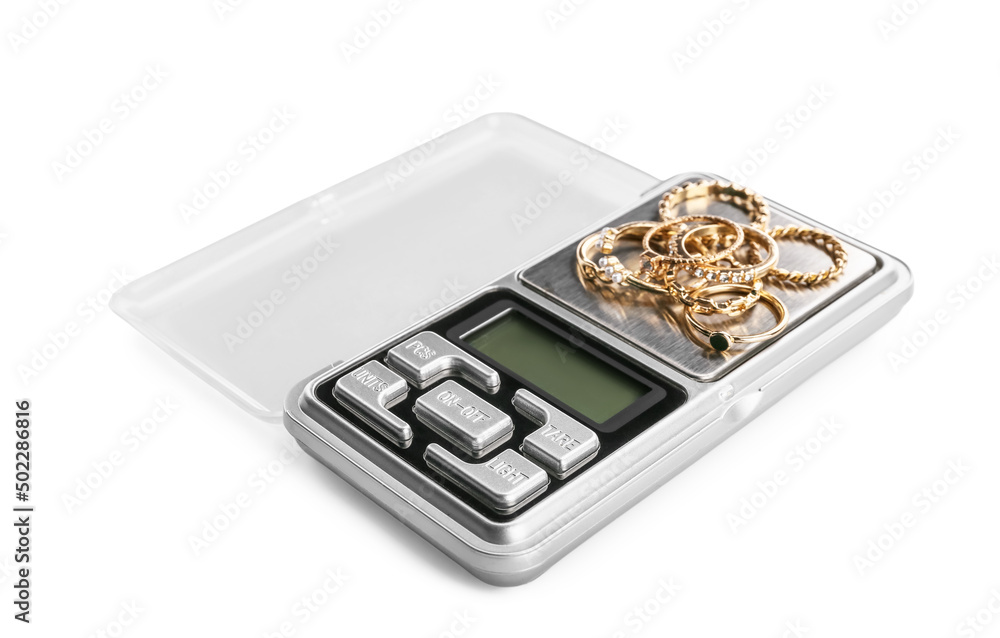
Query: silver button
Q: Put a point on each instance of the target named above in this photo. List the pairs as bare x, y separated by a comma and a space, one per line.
426, 357
562, 443
463, 418
369, 392
504, 483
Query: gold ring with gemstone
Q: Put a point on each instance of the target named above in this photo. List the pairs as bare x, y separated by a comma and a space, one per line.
721, 340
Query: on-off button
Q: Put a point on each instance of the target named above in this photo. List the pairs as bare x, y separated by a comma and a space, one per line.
463, 418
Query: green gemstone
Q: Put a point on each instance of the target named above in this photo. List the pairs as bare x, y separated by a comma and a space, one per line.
720, 341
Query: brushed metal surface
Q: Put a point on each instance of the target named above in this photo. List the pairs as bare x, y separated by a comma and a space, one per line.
655, 323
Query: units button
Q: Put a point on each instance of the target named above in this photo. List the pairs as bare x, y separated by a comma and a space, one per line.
369, 392
561, 444
425, 358
463, 418
504, 483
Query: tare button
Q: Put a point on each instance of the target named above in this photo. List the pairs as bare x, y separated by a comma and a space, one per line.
463, 418
503, 483
424, 358
562, 443
369, 392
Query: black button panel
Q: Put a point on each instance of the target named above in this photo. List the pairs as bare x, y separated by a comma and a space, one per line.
481, 432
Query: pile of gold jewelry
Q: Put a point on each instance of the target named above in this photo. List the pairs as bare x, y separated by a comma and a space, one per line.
696, 258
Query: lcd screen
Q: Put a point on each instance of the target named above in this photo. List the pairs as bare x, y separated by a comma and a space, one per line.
580, 380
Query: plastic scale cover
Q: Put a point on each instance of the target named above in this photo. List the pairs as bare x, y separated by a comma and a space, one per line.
323, 279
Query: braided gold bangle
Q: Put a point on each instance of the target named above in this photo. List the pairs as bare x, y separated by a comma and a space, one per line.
825, 241
752, 203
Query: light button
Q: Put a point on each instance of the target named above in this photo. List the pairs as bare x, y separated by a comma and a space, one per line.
504, 483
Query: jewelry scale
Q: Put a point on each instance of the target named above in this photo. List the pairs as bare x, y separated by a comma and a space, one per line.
460, 371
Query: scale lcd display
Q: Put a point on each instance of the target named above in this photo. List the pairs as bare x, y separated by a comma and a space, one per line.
580, 380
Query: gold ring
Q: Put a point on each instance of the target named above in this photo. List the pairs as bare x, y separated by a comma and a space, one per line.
752, 203
654, 261
825, 241
721, 340
608, 268
737, 272
701, 303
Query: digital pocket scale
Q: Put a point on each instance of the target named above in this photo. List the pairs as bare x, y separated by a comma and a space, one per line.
509, 427
506, 422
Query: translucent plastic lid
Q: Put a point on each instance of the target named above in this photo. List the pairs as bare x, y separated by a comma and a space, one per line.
334, 274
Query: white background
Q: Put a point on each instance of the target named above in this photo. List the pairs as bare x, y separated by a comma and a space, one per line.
890, 91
